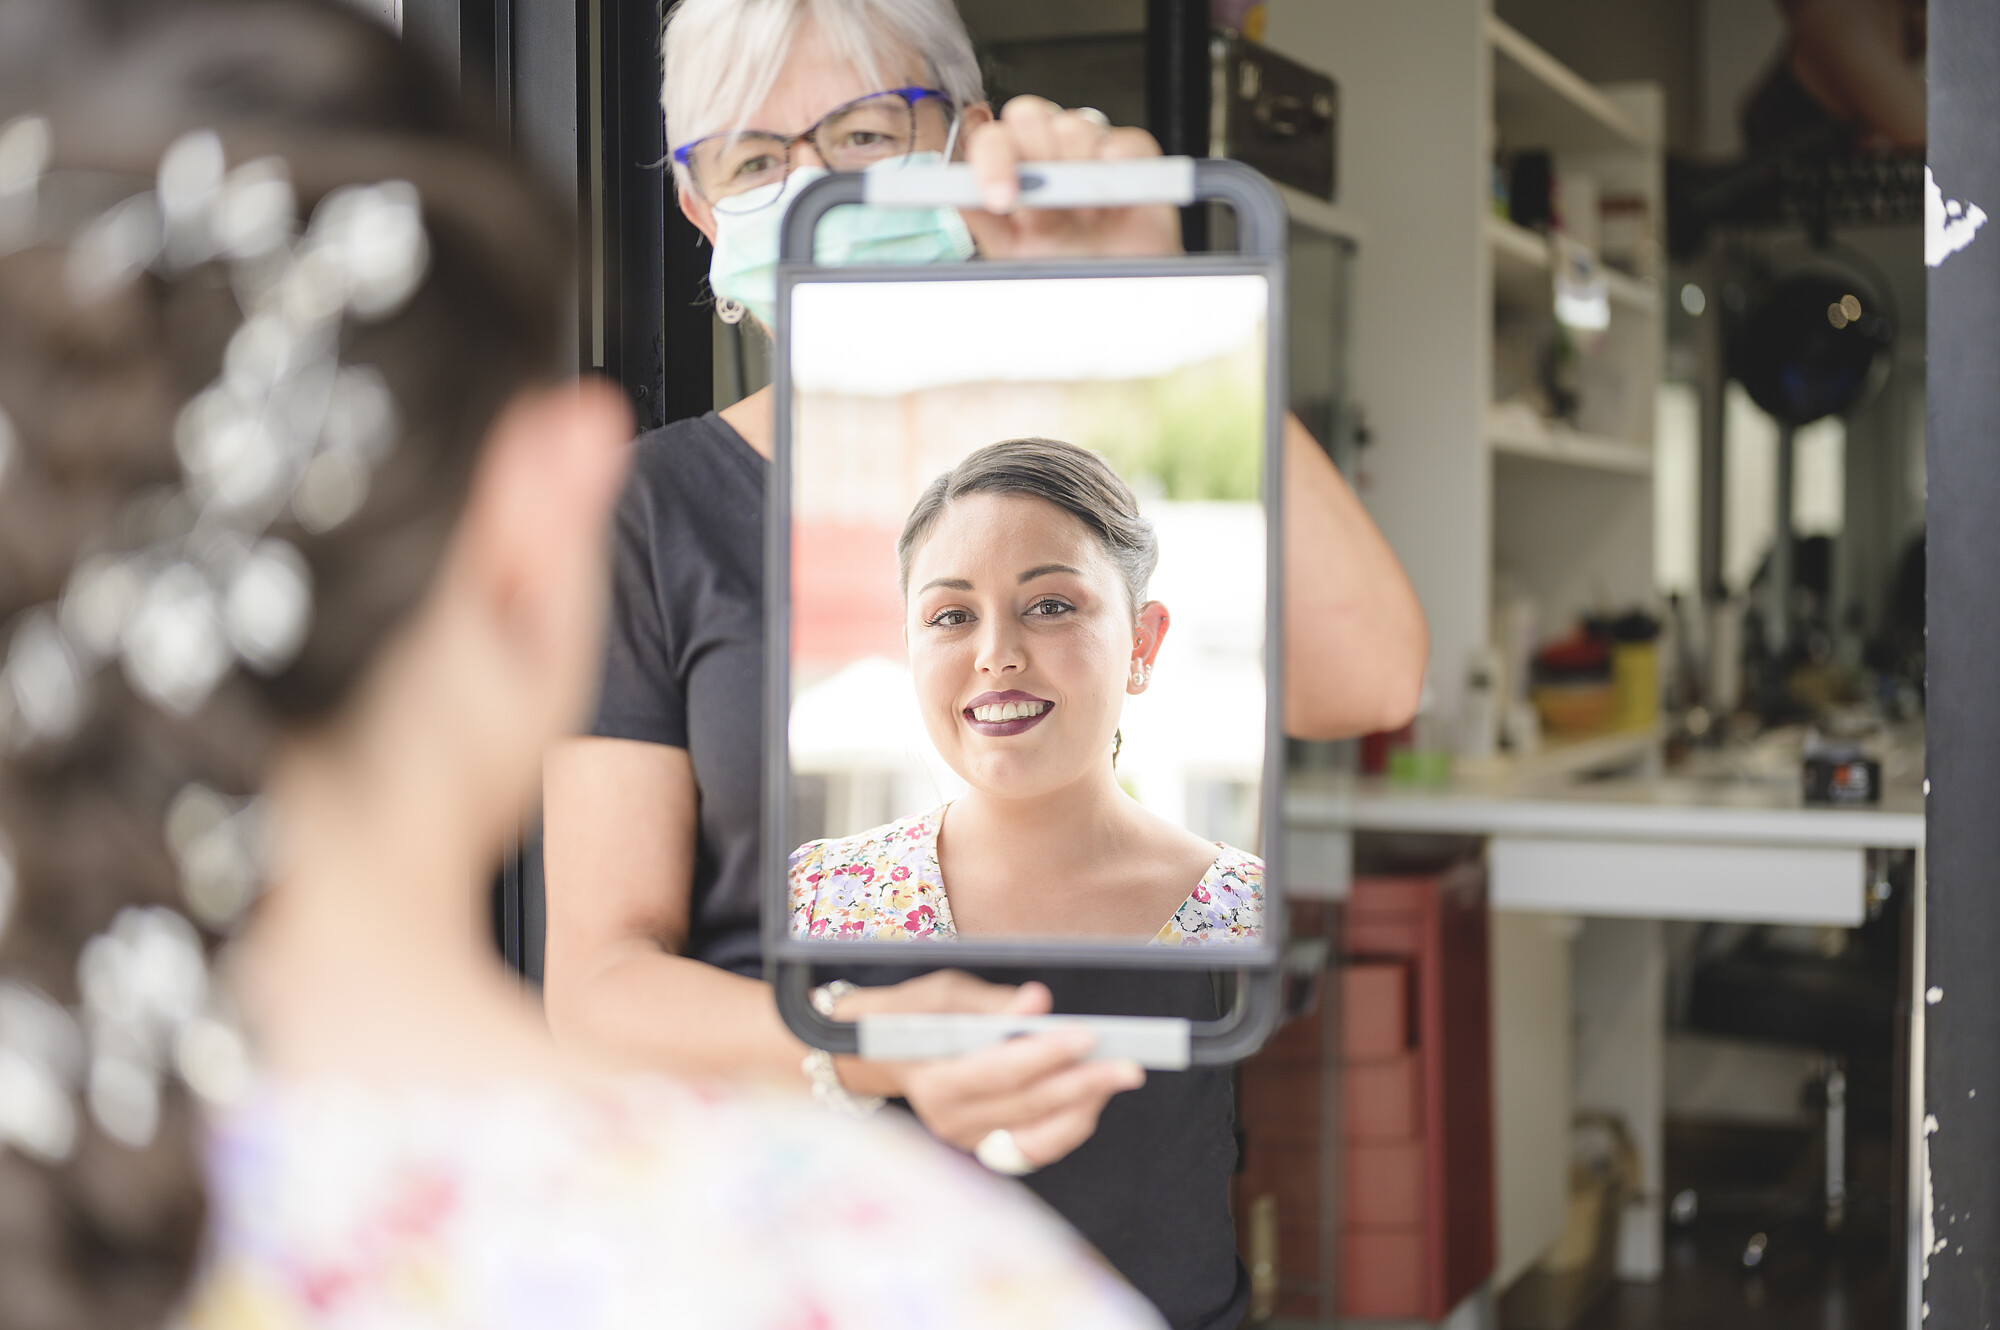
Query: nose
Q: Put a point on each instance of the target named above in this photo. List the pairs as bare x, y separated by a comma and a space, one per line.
1000, 649
805, 154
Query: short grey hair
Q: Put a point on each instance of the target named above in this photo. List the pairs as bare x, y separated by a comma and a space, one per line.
1073, 478
721, 57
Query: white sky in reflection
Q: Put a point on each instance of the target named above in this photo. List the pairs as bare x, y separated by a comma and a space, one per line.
886, 338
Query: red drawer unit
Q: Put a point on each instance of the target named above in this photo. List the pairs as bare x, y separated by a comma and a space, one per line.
1397, 1078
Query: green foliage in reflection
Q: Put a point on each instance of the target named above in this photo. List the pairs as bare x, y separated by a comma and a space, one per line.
1195, 434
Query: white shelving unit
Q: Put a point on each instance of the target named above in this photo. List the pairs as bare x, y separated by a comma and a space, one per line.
1521, 269
1571, 515
1572, 531
1566, 447
1543, 99
1471, 498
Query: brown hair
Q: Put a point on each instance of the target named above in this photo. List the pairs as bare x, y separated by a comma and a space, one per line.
107, 1237
1073, 478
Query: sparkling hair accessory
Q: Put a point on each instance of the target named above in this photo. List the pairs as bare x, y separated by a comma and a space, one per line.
193, 583
285, 429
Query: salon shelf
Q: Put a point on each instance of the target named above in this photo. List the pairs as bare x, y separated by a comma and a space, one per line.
1521, 269
1565, 447
1540, 102
1563, 757
1317, 214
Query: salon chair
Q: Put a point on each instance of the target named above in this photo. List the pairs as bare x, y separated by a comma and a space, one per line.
1843, 1007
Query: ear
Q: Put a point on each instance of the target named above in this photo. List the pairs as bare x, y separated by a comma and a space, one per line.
970, 118
1147, 635
543, 491
695, 208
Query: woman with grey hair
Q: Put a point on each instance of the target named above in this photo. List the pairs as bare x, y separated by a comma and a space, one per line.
653, 819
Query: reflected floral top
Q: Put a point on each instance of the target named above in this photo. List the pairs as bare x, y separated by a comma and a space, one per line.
885, 886
534, 1206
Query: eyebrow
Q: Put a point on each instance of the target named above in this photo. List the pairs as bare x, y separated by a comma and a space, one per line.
961, 584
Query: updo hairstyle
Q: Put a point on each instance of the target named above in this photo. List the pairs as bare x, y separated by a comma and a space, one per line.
106, 1235
1073, 478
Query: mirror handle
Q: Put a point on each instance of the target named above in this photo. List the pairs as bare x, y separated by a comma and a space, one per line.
1043, 184
1161, 1043
1262, 225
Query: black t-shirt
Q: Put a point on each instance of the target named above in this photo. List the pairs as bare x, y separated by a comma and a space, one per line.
684, 665
684, 660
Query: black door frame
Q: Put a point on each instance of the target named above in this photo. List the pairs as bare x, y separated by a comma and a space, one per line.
575, 85
1960, 1132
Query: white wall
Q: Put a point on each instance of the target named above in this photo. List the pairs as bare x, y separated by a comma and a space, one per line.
1414, 81
391, 11
1532, 1072
1737, 41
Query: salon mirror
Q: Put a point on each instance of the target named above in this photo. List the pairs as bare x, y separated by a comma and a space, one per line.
956, 659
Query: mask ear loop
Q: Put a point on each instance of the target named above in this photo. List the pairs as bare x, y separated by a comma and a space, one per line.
951, 135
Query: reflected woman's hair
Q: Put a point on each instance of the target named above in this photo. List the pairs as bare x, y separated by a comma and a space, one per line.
104, 1231
1074, 479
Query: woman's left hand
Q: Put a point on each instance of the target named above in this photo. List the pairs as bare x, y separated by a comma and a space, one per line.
1033, 129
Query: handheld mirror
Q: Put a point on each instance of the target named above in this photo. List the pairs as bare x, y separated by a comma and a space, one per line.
1023, 660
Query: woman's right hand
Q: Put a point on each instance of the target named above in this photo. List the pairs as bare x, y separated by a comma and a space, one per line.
1039, 1087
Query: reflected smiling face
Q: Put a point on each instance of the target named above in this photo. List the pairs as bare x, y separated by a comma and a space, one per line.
1022, 643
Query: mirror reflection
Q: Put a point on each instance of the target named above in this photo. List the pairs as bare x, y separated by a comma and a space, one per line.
1028, 624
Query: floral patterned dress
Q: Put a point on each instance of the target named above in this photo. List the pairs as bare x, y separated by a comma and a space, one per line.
526, 1206
885, 886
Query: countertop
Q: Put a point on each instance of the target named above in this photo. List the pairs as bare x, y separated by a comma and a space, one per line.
1747, 795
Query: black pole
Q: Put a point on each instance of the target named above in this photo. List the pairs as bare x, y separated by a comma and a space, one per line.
1962, 904
545, 93
634, 219
1177, 92
437, 26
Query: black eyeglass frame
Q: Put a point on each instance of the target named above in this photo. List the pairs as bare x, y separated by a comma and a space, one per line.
912, 97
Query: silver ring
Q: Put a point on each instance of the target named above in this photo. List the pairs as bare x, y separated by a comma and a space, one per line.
999, 1151
1094, 116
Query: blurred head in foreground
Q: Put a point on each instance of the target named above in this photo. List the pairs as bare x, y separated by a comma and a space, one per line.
290, 499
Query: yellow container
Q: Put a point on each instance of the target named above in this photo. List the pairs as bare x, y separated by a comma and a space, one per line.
1635, 674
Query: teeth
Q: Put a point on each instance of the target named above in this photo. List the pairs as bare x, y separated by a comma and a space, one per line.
996, 712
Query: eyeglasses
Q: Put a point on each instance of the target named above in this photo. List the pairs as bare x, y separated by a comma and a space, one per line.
881, 127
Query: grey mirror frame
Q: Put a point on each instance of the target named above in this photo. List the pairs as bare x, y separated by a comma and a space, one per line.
790, 962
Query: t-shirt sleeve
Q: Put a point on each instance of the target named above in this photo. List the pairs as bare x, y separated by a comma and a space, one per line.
641, 694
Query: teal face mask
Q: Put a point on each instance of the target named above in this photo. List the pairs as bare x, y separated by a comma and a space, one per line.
745, 266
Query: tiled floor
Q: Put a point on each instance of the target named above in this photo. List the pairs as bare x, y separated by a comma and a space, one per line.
1807, 1278
1806, 1282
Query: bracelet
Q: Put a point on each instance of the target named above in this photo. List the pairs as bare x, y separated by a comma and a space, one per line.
829, 1093
827, 994
827, 1090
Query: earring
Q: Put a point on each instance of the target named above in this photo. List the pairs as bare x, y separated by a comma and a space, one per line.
730, 311
1142, 674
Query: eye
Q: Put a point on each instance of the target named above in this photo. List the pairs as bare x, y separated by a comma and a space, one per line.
948, 619
755, 166
1048, 607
